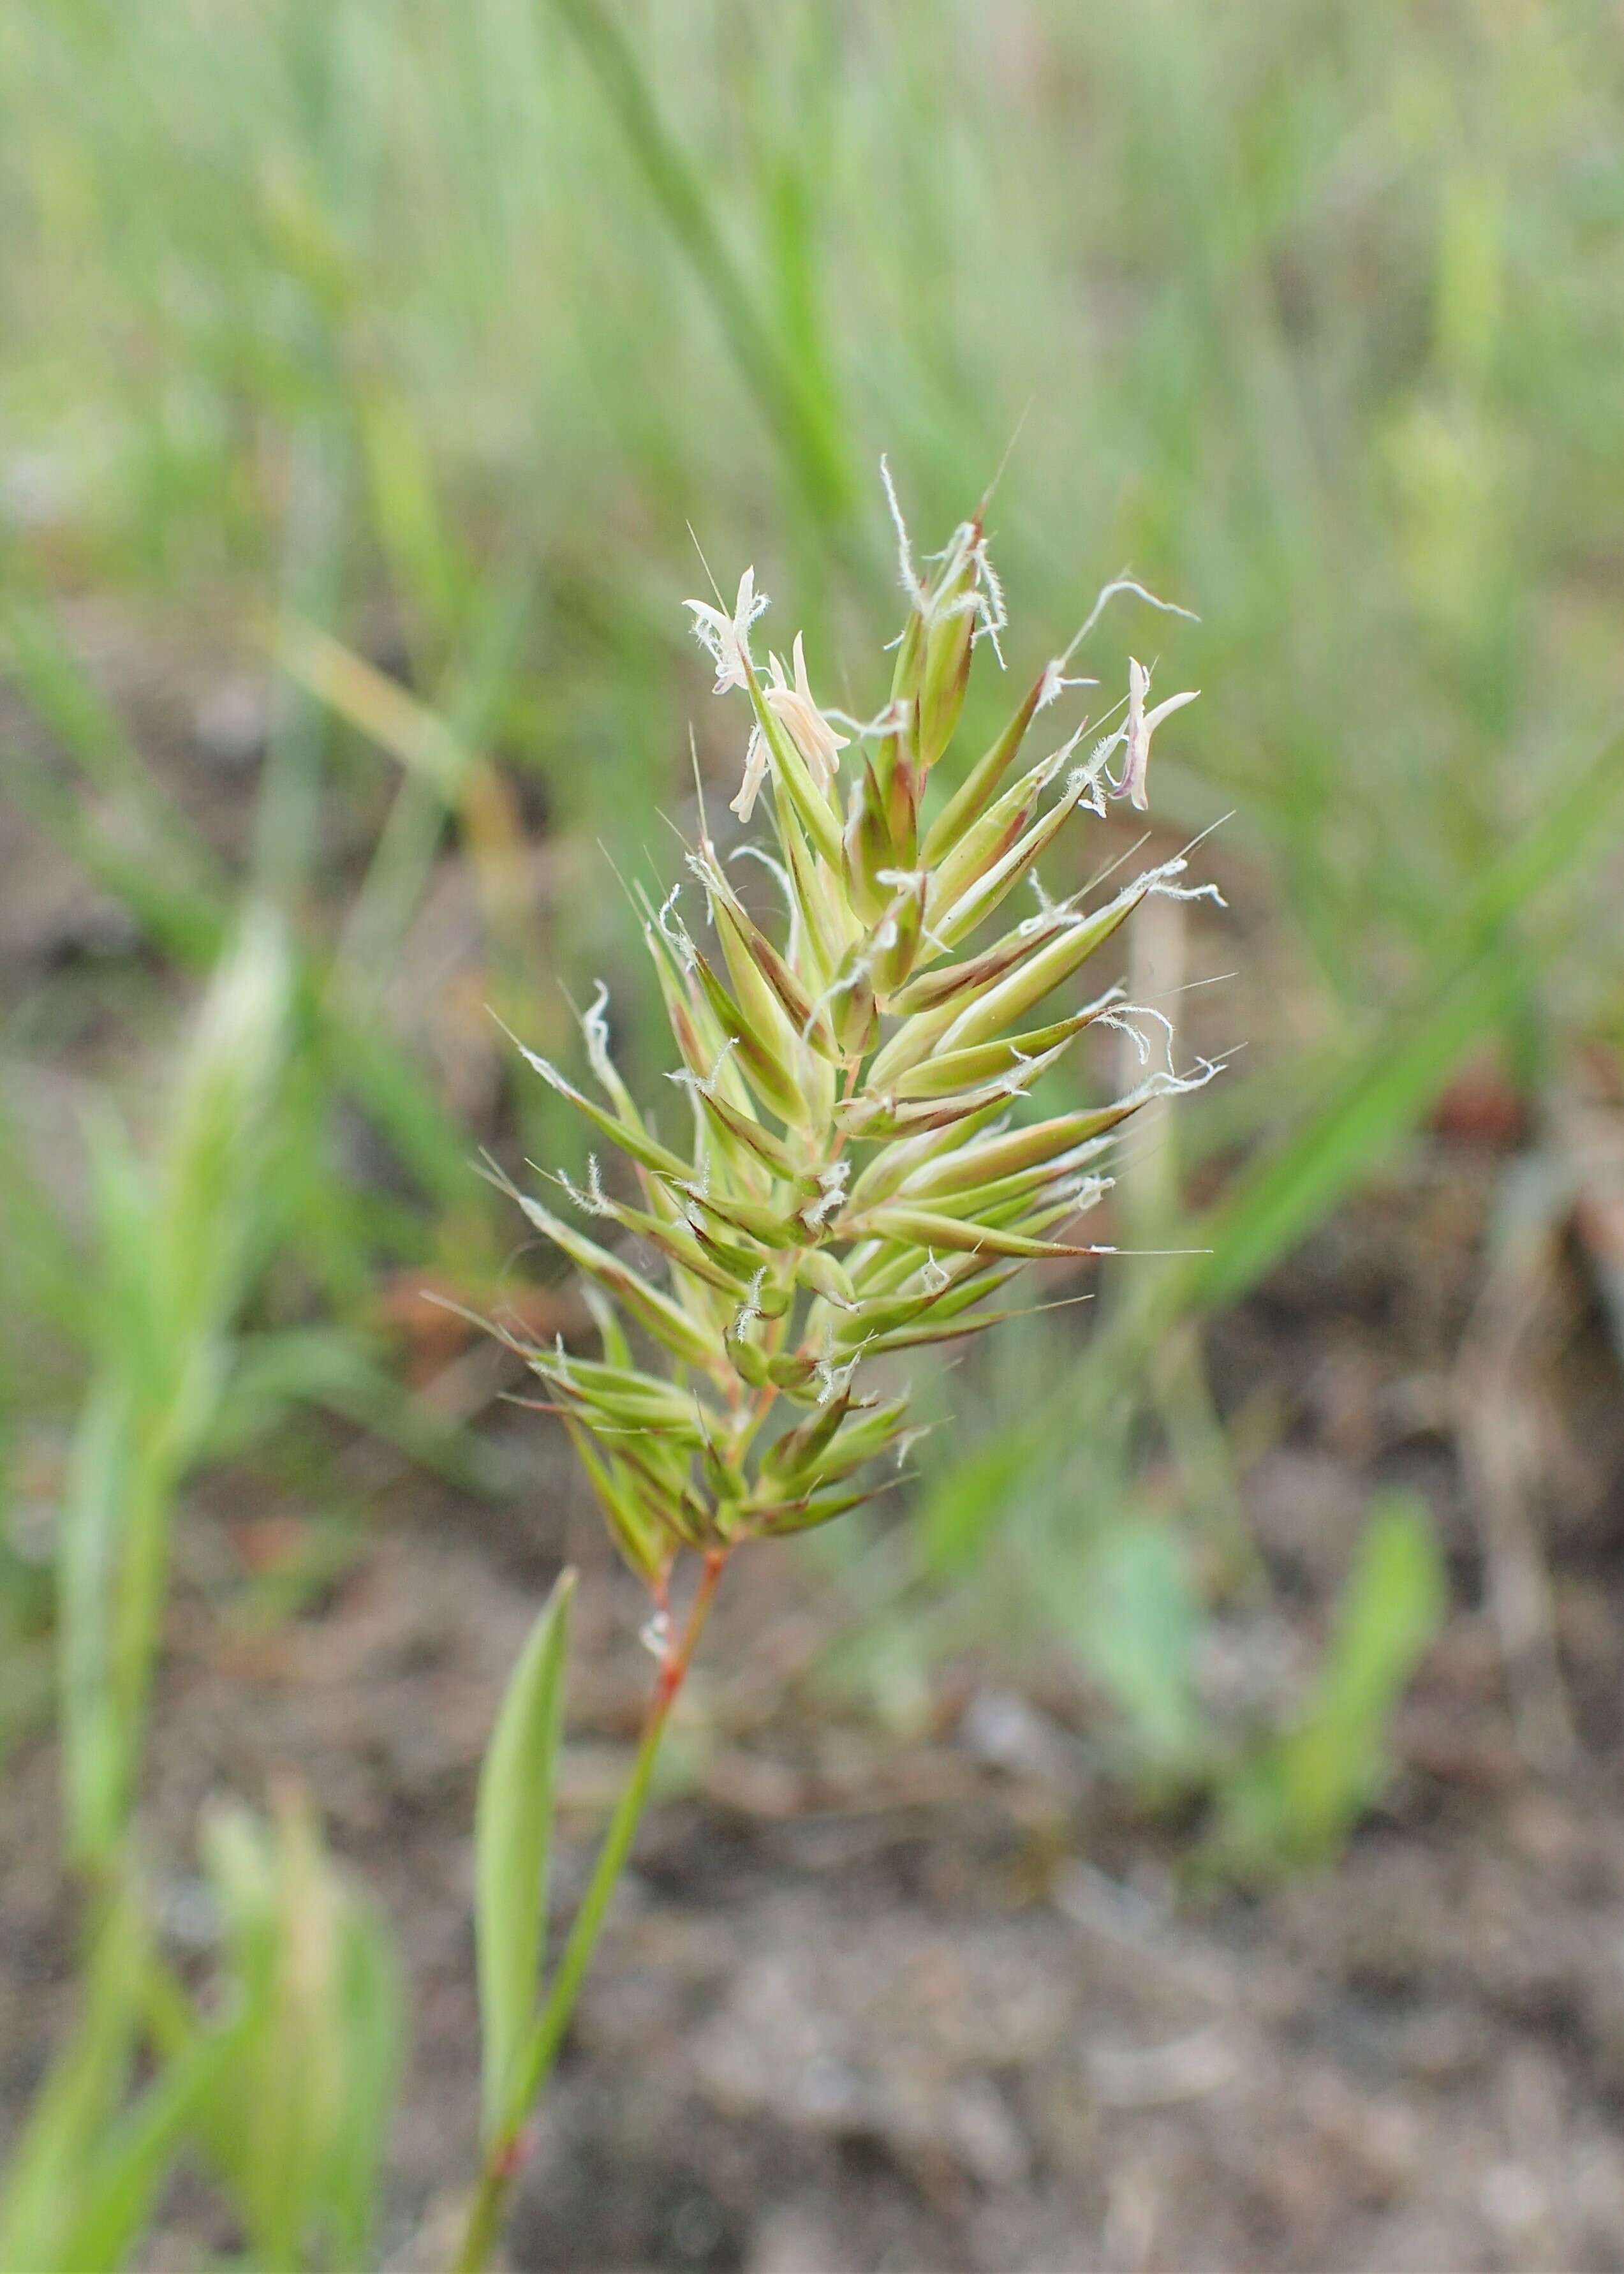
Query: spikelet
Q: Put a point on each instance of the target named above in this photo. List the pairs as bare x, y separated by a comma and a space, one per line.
860, 1177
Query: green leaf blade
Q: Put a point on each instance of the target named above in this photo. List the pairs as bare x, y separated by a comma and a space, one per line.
513, 1840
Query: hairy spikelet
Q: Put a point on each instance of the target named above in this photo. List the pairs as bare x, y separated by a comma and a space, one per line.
865, 1172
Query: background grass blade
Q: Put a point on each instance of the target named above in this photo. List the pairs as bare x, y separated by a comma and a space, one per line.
799, 420
1294, 1799
1475, 980
120, 2184
39, 2198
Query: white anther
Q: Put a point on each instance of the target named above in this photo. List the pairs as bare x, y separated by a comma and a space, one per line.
1054, 684
594, 1200
1120, 1017
704, 1084
909, 1438
831, 1184
768, 860
834, 1380
1208, 891
595, 1028
1158, 1084
864, 730
726, 639
911, 584
673, 930
750, 1308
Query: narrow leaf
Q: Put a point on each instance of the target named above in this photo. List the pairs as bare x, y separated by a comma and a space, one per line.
513, 1831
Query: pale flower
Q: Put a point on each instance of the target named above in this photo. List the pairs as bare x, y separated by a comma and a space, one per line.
810, 732
755, 775
726, 639
1140, 726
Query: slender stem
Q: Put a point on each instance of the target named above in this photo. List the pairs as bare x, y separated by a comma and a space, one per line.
506, 2150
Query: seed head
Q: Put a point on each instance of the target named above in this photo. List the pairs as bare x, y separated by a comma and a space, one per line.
865, 1170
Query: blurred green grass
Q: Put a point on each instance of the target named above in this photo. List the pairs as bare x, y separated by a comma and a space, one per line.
1312, 313
452, 320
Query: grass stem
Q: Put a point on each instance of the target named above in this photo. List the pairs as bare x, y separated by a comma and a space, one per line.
507, 2151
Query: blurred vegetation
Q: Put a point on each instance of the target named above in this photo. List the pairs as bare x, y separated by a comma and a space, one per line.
388, 353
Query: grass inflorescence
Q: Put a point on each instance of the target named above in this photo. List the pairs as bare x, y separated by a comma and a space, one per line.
865, 1173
